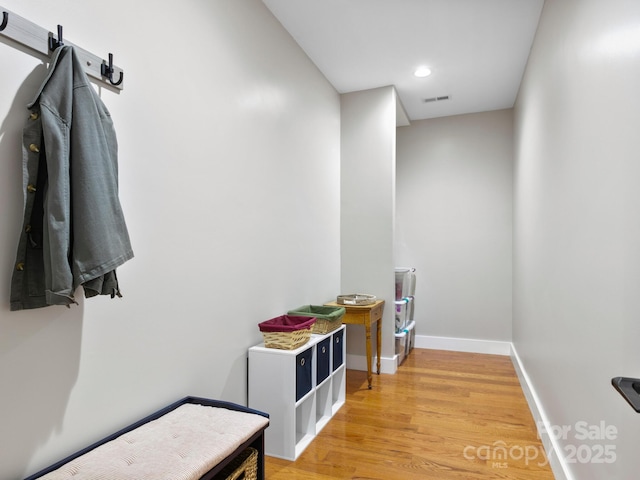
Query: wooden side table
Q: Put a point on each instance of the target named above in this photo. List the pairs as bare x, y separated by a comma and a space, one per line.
365, 315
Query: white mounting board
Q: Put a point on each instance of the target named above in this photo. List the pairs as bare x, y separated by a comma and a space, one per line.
36, 38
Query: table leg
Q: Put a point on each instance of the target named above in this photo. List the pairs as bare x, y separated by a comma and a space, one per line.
367, 329
379, 341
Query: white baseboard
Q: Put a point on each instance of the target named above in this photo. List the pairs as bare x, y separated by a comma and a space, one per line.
469, 345
558, 465
359, 362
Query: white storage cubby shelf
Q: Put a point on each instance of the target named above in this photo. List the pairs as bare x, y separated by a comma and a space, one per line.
300, 389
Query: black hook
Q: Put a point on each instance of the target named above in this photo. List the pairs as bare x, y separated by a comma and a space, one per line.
5, 20
107, 71
53, 43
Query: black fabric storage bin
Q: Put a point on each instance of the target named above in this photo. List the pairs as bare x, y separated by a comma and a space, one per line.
303, 373
322, 360
338, 338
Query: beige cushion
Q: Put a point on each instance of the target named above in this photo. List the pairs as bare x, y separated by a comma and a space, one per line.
184, 444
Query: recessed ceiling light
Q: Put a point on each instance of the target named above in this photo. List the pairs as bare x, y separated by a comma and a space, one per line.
422, 72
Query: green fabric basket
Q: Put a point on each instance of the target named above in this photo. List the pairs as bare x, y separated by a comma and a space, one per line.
328, 319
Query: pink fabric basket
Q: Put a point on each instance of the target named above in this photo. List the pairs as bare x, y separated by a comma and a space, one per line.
287, 323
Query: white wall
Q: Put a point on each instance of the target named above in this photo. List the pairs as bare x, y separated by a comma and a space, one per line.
454, 223
577, 234
368, 157
229, 172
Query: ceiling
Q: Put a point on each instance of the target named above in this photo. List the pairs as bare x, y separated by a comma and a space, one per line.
476, 49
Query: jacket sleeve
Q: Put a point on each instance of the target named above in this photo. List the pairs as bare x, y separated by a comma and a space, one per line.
57, 211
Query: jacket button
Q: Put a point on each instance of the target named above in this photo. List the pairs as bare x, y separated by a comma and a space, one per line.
34, 116
20, 266
34, 148
27, 228
31, 188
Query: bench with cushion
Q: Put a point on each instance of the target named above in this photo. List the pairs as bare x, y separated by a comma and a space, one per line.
192, 439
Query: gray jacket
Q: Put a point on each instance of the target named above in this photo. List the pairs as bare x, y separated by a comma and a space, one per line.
74, 231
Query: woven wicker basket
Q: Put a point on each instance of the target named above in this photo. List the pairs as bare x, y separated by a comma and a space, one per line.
244, 466
356, 299
324, 326
328, 318
287, 332
286, 340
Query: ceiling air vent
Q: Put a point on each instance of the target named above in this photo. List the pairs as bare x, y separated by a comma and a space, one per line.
436, 99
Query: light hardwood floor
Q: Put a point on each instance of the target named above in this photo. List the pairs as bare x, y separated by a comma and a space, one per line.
443, 415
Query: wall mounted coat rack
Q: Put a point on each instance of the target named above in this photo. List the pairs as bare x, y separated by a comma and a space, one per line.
42, 41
